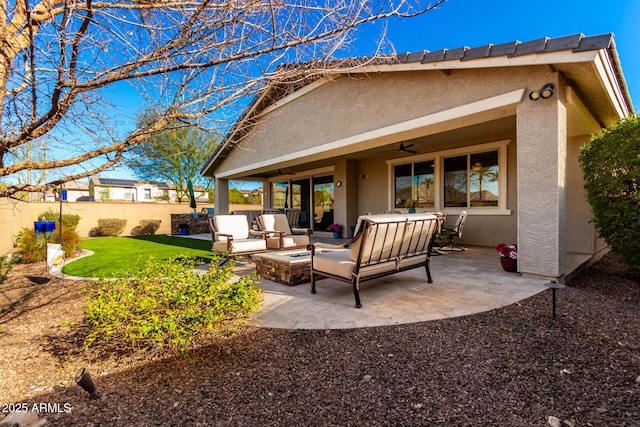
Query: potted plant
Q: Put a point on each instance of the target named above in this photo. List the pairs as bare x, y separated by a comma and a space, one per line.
508, 256
336, 229
411, 205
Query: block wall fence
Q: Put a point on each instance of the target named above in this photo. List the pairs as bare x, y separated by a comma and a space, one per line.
15, 215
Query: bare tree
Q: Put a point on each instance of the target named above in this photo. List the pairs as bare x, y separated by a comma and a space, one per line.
64, 65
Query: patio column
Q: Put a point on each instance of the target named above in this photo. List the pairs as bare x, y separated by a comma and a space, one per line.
542, 153
221, 196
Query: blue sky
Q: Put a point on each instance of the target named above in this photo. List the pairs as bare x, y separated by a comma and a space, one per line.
475, 23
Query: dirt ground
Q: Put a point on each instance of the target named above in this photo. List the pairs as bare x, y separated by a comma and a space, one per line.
514, 366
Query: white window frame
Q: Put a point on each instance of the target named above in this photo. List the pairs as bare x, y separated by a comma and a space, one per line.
438, 158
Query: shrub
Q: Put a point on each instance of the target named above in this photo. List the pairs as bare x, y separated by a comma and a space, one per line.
32, 247
166, 305
611, 168
70, 221
6, 264
108, 227
147, 227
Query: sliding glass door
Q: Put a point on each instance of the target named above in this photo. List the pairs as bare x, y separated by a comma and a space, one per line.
322, 202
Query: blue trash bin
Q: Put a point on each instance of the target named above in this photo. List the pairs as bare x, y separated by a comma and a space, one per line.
42, 227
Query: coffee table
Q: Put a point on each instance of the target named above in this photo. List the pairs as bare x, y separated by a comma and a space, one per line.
287, 267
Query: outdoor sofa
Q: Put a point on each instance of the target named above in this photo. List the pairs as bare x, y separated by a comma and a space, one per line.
382, 245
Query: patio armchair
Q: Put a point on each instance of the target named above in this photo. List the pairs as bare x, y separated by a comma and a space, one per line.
232, 236
383, 245
280, 235
453, 233
293, 216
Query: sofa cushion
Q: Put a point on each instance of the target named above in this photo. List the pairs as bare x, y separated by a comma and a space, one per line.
407, 263
338, 263
419, 232
382, 238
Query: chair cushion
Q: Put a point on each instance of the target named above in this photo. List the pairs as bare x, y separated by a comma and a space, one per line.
236, 225
241, 246
274, 222
288, 241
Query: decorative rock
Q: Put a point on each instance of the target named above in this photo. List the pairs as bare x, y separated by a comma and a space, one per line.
23, 419
366, 378
553, 421
570, 423
638, 380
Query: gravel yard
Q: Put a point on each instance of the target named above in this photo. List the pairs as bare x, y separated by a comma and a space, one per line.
514, 366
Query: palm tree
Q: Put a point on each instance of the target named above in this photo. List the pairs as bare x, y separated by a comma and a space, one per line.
487, 173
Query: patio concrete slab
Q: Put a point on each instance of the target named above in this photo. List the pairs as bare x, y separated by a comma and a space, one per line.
464, 283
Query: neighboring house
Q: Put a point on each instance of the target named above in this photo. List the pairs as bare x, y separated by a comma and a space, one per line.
253, 196
493, 130
130, 190
77, 191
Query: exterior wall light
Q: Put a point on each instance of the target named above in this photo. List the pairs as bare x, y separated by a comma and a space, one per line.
545, 92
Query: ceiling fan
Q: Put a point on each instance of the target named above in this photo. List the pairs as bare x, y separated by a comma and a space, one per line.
406, 148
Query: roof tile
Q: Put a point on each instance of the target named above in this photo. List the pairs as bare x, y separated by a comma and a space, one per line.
477, 52
436, 56
602, 41
416, 56
457, 53
564, 43
533, 46
504, 49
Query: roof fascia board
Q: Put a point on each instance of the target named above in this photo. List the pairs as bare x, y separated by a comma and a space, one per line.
605, 70
464, 115
562, 57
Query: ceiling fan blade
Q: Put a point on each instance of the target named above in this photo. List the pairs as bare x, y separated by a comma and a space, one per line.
406, 149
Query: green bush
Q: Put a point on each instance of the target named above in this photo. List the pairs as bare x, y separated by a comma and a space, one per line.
166, 306
108, 227
70, 221
147, 227
611, 166
32, 247
6, 264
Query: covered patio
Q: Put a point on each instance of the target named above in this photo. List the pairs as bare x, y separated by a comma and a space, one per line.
494, 131
464, 283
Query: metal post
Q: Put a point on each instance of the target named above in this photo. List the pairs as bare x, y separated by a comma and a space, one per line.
60, 198
554, 285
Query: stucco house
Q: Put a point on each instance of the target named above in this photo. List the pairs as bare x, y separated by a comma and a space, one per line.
129, 190
494, 130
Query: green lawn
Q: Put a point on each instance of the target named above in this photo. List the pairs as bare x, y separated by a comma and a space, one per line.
114, 255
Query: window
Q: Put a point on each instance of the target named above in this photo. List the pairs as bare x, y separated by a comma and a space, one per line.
147, 194
483, 178
280, 196
454, 179
415, 181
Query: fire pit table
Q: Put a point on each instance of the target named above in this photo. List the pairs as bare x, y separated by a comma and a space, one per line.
287, 267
